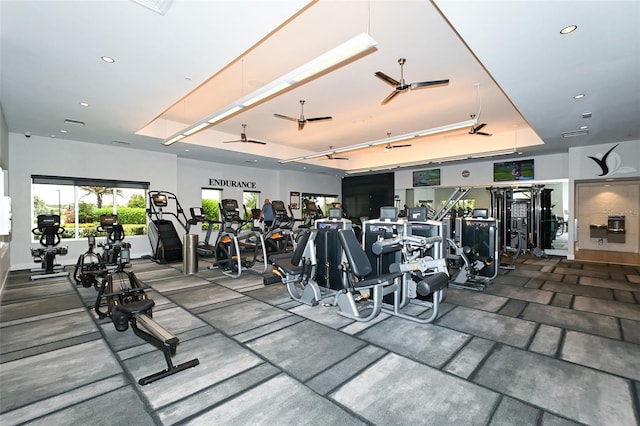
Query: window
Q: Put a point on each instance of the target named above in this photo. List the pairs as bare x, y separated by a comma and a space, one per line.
80, 202
251, 200
323, 201
211, 206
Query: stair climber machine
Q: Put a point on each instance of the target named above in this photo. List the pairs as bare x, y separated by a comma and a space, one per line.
472, 249
50, 233
238, 249
166, 244
122, 298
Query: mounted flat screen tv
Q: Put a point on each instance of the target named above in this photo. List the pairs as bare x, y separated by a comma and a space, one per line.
426, 177
513, 170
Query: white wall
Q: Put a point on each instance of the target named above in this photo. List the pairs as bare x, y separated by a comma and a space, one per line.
273, 184
165, 172
59, 157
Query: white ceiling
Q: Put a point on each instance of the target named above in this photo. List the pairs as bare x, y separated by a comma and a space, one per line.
506, 60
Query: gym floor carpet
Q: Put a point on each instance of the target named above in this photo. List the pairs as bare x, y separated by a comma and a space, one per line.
554, 342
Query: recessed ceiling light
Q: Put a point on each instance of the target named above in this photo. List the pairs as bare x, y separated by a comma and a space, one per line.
84, 104
584, 127
63, 131
186, 150
569, 29
53, 136
579, 96
107, 59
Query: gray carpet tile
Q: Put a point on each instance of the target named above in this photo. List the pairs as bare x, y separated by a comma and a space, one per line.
604, 354
427, 343
241, 317
546, 340
608, 283
631, 330
578, 290
306, 348
551, 384
474, 299
202, 401
554, 342
79, 395
44, 331
31, 379
220, 358
279, 401
520, 293
396, 390
500, 328
607, 307
131, 410
574, 320
467, 360
513, 412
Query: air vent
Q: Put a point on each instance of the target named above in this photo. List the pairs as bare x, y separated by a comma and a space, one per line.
120, 143
75, 122
586, 115
575, 133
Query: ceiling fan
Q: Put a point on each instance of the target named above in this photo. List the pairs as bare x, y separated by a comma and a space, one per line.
475, 130
333, 157
243, 138
388, 146
401, 86
302, 120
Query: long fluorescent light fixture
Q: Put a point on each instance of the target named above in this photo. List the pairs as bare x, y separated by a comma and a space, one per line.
356, 47
435, 161
420, 133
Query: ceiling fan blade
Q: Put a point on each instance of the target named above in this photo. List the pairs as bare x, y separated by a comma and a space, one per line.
285, 117
428, 83
478, 127
319, 118
483, 133
400, 146
391, 96
233, 141
259, 142
387, 79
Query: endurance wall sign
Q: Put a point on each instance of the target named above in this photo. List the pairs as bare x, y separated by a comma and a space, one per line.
232, 183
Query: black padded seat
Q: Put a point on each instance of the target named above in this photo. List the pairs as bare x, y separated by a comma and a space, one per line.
136, 307
289, 262
359, 262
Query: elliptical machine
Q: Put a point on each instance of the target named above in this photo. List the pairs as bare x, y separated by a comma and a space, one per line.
238, 249
127, 304
50, 233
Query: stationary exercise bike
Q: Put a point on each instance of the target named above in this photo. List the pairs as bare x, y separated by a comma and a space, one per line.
50, 233
122, 298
